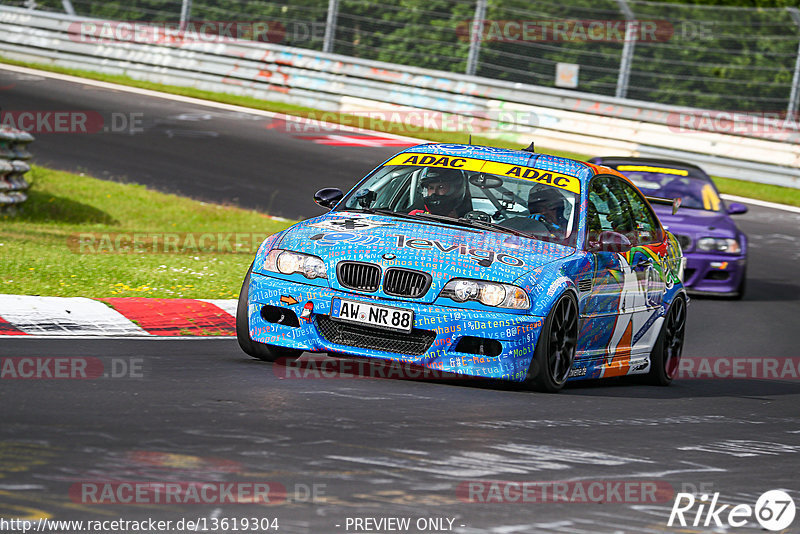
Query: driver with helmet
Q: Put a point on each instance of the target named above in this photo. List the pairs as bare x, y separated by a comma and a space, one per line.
444, 192
547, 206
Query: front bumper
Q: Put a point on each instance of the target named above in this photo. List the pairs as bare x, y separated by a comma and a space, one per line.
714, 273
438, 330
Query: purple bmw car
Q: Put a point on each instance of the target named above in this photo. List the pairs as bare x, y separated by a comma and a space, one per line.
715, 249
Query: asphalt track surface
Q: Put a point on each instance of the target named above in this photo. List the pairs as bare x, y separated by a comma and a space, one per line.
201, 410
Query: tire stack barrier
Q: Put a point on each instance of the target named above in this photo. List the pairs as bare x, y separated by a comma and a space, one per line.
13, 166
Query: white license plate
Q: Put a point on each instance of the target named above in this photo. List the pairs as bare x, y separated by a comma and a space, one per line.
371, 314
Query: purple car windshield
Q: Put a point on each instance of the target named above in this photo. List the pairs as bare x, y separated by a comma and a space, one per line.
694, 193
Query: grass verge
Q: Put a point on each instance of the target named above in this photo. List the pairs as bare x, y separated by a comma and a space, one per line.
75, 237
770, 193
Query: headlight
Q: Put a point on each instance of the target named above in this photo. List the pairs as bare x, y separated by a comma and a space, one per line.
492, 294
719, 244
488, 293
288, 262
463, 290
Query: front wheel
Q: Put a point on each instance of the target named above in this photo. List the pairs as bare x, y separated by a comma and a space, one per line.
666, 354
555, 349
262, 351
740, 291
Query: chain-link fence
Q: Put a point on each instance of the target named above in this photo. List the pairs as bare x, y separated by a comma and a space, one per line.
741, 59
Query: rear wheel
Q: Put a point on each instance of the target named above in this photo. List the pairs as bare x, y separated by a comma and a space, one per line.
262, 351
555, 349
666, 354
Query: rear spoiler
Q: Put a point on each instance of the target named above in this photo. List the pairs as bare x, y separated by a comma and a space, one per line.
674, 202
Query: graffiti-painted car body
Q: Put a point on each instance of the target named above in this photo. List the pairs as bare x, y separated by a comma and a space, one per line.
442, 275
715, 248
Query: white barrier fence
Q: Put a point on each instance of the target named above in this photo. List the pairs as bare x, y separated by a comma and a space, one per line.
760, 149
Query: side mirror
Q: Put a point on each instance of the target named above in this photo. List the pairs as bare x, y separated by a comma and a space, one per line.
674, 202
328, 197
734, 208
609, 241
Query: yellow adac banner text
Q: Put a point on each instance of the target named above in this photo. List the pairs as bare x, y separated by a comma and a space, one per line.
555, 179
647, 168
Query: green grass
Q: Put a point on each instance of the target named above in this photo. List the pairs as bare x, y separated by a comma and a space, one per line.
41, 254
770, 193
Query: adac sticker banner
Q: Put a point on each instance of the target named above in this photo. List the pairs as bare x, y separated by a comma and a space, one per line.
648, 168
555, 179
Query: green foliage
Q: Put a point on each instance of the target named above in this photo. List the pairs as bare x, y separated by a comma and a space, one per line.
410, 32
534, 60
730, 54
718, 58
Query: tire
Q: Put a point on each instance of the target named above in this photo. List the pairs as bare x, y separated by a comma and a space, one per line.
555, 348
666, 354
742, 289
261, 351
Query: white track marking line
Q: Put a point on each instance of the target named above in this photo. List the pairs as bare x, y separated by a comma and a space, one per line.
226, 305
71, 316
81, 318
762, 203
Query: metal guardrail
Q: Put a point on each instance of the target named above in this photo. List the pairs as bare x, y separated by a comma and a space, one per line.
13, 153
677, 53
746, 148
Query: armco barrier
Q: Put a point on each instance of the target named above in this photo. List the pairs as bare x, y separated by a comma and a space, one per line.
13, 152
743, 147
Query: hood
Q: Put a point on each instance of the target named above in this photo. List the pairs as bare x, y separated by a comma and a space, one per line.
443, 251
695, 222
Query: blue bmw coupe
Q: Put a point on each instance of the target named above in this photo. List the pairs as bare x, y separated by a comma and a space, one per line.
505, 264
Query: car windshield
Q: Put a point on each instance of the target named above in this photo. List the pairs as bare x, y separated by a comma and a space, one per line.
695, 193
467, 197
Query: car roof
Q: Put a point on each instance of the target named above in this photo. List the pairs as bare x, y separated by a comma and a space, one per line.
581, 170
615, 161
